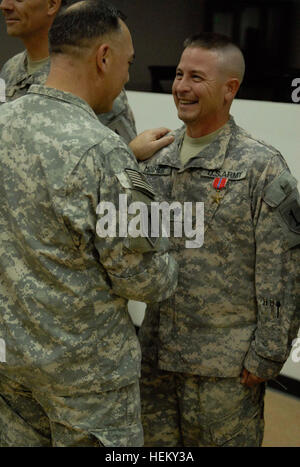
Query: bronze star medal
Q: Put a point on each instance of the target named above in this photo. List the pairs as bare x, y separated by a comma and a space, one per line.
219, 184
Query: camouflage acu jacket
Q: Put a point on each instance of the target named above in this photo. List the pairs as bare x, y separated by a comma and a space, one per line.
64, 324
17, 82
237, 302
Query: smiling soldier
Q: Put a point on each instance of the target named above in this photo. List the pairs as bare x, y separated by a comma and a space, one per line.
208, 350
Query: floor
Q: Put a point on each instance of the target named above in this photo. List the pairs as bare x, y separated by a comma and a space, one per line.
282, 420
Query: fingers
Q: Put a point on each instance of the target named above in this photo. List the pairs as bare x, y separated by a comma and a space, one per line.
162, 142
160, 132
147, 143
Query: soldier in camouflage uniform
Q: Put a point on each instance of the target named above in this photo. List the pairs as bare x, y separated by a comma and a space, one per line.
208, 350
21, 70
70, 357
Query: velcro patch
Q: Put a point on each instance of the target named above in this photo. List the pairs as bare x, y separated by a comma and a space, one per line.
140, 183
291, 214
280, 189
157, 170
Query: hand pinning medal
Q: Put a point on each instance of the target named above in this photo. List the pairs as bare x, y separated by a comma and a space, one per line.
219, 184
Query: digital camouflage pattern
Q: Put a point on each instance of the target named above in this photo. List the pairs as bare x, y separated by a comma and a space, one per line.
237, 303
196, 411
17, 79
63, 289
75, 421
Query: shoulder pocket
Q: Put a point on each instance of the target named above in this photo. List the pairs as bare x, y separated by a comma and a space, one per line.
290, 213
283, 196
278, 190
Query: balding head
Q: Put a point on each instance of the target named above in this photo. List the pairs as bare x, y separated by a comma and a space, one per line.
80, 23
231, 60
90, 50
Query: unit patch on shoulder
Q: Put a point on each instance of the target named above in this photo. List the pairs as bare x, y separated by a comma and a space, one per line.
140, 183
291, 215
280, 189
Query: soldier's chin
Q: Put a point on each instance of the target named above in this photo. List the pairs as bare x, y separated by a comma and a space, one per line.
184, 117
13, 30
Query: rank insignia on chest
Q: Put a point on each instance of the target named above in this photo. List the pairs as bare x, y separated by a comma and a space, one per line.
219, 184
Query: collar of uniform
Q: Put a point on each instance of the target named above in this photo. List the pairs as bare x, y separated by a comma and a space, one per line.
170, 155
67, 97
212, 157
22, 73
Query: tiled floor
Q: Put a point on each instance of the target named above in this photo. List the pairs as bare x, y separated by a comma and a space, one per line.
282, 420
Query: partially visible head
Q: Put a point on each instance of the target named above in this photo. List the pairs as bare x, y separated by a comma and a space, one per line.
208, 77
29, 18
93, 32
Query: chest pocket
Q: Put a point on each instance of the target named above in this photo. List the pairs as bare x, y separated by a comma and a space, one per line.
228, 204
223, 192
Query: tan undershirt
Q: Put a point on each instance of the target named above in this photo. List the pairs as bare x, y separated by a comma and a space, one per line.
192, 146
35, 65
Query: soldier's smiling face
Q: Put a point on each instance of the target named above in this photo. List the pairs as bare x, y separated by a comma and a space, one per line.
199, 86
25, 17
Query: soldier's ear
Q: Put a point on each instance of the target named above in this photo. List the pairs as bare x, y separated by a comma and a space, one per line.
231, 88
103, 57
53, 6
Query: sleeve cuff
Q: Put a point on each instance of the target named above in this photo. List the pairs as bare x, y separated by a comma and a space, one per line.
262, 367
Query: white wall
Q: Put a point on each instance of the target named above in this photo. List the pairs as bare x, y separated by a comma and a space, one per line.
276, 123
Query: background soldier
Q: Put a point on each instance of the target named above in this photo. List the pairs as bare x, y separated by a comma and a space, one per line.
236, 308
30, 21
70, 358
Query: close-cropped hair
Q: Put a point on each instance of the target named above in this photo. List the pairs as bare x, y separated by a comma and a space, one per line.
79, 21
232, 58
209, 40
